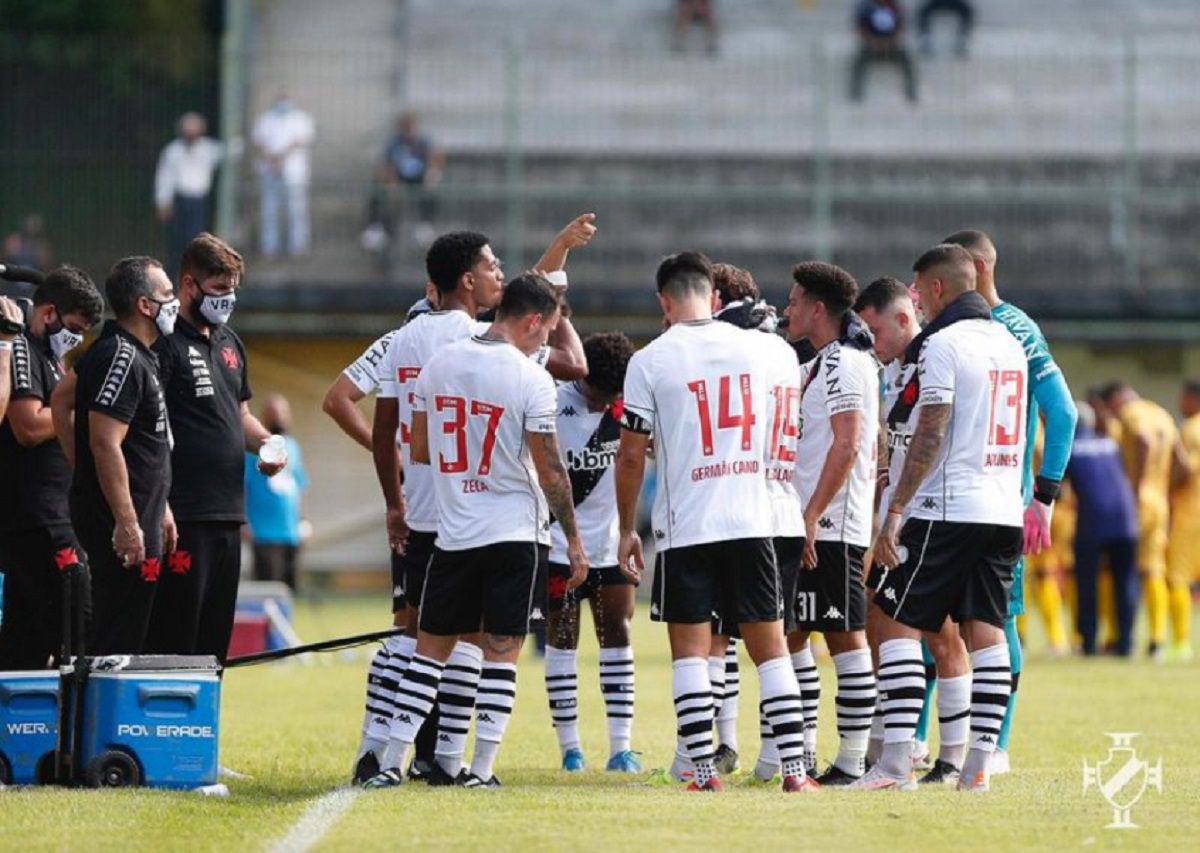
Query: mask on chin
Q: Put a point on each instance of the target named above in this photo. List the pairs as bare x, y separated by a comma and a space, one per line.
165, 319
217, 309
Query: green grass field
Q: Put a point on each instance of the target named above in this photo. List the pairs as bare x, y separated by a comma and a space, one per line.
294, 728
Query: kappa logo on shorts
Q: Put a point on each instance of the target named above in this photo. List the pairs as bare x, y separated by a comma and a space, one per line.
929, 503
536, 614
654, 610
890, 594
658, 534
568, 412
833, 613
825, 523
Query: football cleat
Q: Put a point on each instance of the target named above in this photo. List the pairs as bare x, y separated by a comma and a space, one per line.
712, 786
922, 758
473, 781
439, 778
624, 762
836, 777
391, 778
943, 773
419, 770
800, 785
366, 767
765, 771
877, 780
979, 783
725, 760
572, 760
998, 764
663, 776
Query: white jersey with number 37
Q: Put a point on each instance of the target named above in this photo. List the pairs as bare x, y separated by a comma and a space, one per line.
978, 368
702, 388
480, 397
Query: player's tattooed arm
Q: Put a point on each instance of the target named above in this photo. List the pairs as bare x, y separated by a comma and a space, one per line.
552, 475
930, 434
556, 485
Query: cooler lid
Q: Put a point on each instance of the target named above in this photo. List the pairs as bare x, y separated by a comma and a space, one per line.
153, 663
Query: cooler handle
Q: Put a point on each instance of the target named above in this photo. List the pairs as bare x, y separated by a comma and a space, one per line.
9, 691
180, 691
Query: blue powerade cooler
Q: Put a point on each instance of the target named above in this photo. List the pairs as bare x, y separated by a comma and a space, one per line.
151, 720
28, 726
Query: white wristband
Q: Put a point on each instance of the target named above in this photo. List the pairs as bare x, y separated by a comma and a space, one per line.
558, 278
5, 346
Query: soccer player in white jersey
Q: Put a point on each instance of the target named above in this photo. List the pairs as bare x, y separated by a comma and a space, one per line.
468, 279
703, 389
953, 527
835, 476
484, 423
589, 412
888, 310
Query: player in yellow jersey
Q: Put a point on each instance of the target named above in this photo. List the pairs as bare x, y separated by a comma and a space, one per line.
1044, 571
1183, 552
1148, 444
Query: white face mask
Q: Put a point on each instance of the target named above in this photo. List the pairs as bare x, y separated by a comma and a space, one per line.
165, 319
217, 309
63, 341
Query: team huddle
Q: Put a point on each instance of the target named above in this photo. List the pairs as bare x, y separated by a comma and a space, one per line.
863, 478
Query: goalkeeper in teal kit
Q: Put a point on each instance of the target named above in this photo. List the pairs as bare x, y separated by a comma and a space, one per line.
1048, 392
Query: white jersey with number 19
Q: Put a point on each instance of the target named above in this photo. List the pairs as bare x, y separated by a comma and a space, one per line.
980, 370
702, 388
480, 398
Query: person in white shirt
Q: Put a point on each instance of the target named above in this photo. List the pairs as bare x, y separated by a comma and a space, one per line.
703, 389
182, 184
467, 278
283, 137
589, 413
484, 423
953, 527
835, 475
888, 310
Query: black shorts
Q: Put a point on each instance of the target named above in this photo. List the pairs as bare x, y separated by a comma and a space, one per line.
32, 563
831, 597
789, 551
598, 576
408, 569
493, 588
875, 577
955, 569
730, 582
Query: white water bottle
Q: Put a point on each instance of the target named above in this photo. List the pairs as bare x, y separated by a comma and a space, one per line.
273, 451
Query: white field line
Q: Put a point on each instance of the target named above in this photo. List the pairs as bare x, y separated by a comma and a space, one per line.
320, 816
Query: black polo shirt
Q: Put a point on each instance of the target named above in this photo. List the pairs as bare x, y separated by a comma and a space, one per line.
38, 478
206, 383
118, 377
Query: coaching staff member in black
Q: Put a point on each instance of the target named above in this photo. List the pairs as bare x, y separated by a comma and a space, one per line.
203, 368
36, 540
121, 449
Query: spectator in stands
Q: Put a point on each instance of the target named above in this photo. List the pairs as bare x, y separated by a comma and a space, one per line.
1107, 526
962, 9
283, 136
274, 505
28, 246
689, 12
414, 163
183, 183
880, 25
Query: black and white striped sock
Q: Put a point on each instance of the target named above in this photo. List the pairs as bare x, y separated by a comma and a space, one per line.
727, 714
415, 695
456, 701
617, 686
562, 691
902, 688
855, 702
810, 697
493, 710
694, 713
782, 706
991, 685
